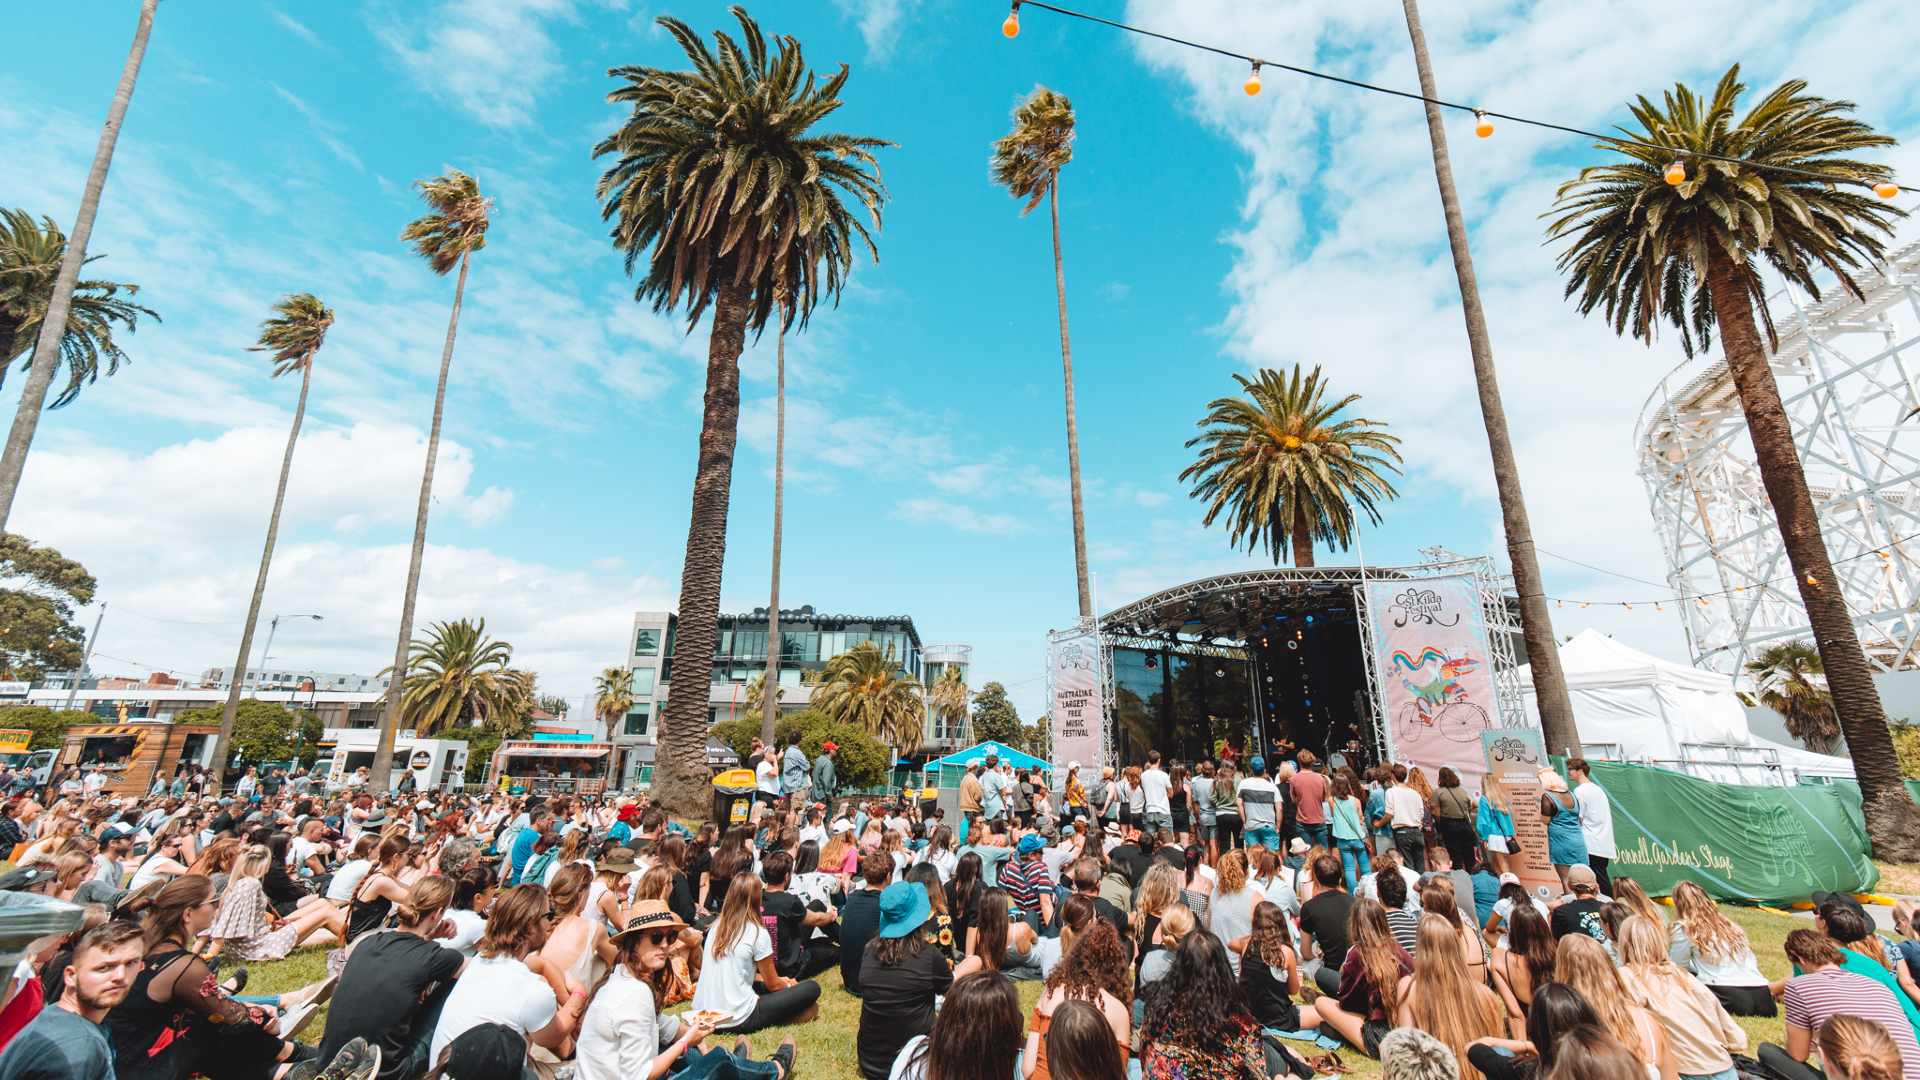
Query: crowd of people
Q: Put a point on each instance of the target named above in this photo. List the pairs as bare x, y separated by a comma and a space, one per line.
1183, 921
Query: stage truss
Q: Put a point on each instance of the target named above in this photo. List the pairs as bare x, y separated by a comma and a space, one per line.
1846, 369
1228, 608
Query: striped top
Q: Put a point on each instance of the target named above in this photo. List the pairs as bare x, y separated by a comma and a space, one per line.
1814, 998
1024, 880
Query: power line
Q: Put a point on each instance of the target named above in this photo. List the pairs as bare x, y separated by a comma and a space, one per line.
1481, 113
1657, 603
1600, 569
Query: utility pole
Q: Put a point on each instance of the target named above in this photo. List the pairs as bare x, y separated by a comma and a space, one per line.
87, 656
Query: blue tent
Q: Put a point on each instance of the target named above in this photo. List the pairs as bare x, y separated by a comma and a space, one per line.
951, 766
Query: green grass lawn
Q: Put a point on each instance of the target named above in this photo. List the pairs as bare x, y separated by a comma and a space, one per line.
827, 1044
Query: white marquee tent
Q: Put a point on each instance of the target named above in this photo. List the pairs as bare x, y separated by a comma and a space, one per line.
1633, 706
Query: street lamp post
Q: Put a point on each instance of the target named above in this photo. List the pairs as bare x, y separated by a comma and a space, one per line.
273, 625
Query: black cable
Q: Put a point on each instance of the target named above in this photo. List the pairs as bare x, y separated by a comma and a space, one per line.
1618, 140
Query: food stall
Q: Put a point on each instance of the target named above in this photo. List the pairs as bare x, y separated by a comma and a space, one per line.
541, 766
133, 753
436, 764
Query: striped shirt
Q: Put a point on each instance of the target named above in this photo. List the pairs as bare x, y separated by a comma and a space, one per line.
1814, 998
1405, 926
1260, 797
1024, 880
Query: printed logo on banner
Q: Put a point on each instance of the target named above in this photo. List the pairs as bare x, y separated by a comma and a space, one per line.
1077, 716
1435, 671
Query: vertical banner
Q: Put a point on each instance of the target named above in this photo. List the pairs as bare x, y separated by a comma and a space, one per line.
1077, 717
1513, 759
1436, 672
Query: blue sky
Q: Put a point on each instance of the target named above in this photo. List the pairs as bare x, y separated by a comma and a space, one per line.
270, 149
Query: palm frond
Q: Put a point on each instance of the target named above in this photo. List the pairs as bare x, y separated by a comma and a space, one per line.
30, 254
455, 224
865, 686
295, 332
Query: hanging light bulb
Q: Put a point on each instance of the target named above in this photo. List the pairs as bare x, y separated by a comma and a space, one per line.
1658, 607
1703, 601
1629, 607
1584, 605
1011, 27
1482, 126
1677, 173
1810, 580
1252, 85
1559, 603
1886, 189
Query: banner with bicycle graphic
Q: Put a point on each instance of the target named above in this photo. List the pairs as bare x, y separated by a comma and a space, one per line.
1435, 672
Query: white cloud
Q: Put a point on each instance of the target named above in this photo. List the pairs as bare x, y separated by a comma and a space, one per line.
298, 29
880, 23
492, 58
325, 132
957, 516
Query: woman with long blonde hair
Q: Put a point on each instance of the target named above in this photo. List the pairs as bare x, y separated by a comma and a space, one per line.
1701, 1037
1856, 1049
1230, 912
1442, 999
246, 924
1437, 898
1716, 951
1581, 962
1159, 892
215, 861
1629, 894
1369, 998
1270, 973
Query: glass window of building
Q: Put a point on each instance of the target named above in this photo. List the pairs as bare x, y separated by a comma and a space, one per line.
637, 718
722, 644
643, 682
646, 642
789, 676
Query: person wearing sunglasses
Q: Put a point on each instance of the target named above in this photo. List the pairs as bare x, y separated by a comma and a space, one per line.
623, 1037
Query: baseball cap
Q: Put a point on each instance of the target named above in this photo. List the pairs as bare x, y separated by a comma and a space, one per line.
1509, 878
1257, 763
486, 1052
1031, 843
1820, 899
1582, 877
829, 746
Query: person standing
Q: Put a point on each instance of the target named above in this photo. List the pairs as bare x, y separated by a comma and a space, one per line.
1566, 840
1258, 801
1309, 790
993, 789
1596, 820
825, 782
766, 779
66, 1040
1453, 818
973, 794
796, 774
1406, 814
1348, 823
1156, 809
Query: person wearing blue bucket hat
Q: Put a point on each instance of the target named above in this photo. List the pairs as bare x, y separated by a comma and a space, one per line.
900, 977
1027, 882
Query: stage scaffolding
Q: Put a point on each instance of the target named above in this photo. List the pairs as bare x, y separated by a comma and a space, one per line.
1846, 369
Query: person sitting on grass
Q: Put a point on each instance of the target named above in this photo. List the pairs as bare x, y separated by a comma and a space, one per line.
65, 1040
797, 953
738, 948
498, 987
1700, 1034
246, 926
1824, 990
1000, 942
900, 979
1093, 972
1442, 999
1369, 995
1197, 1021
1557, 1009
1582, 963
1270, 974
1842, 918
976, 1036
396, 982
860, 918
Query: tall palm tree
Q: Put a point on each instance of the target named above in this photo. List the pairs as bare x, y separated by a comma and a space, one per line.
54, 328
1284, 466
457, 677
30, 257
757, 701
1642, 250
1027, 162
949, 698
612, 697
736, 204
294, 336
1784, 675
865, 686
770, 707
1536, 622
454, 227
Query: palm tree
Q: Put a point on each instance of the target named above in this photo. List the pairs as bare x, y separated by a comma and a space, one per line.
56, 325
1027, 162
459, 677
30, 257
737, 205
454, 227
294, 336
770, 707
1785, 677
612, 697
1644, 249
864, 686
949, 698
1536, 621
1282, 467
757, 702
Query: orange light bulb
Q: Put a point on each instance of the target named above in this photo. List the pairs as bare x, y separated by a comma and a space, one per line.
1482, 127
1886, 189
1676, 173
1252, 85
1011, 27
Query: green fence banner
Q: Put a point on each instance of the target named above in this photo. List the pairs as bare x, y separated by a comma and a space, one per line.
1748, 842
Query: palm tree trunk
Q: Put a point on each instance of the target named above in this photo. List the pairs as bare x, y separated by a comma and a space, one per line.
260, 583
1073, 426
46, 350
770, 686
1536, 624
390, 716
680, 777
1302, 536
1893, 824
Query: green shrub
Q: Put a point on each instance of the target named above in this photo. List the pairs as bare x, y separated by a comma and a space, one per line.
1906, 746
49, 726
860, 761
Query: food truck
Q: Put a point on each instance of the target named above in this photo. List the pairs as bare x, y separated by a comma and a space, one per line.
436, 764
133, 753
568, 766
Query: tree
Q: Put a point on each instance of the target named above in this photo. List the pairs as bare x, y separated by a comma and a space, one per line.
1536, 622
554, 704
720, 184
294, 336
39, 590
30, 258
770, 707
1037, 738
612, 697
948, 698
458, 677
1282, 467
54, 326
756, 701
860, 760
994, 717
1027, 162
263, 731
865, 687
1776, 188
454, 227
1784, 674
49, 726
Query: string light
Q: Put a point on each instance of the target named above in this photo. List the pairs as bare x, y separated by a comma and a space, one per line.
1482, 126
1677, 173
1252, 85
1011, 27
1812, 582
1886, 189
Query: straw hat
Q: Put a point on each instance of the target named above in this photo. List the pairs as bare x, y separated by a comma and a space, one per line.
650, 915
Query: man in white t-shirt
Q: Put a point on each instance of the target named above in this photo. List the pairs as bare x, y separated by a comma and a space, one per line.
766, 778
1259, 805
95, 782
1596, 820
1154, 786
501, 989
1406, 813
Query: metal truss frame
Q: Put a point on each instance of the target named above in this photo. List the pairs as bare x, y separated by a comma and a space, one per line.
1846, 368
